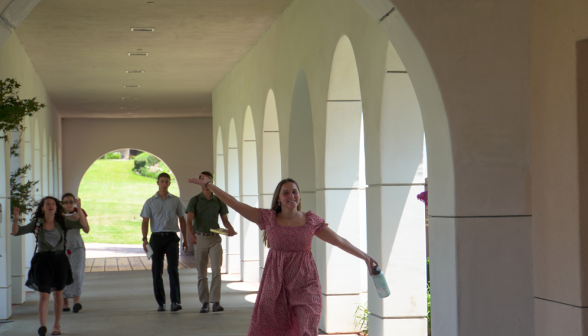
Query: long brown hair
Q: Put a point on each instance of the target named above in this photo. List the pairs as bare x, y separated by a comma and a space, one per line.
277, 207
39, 213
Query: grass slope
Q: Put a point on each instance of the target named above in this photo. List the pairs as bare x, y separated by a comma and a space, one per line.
113, 196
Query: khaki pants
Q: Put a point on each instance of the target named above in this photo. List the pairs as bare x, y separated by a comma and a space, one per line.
208, 247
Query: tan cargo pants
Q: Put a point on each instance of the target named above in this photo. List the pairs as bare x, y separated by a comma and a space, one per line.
208, 247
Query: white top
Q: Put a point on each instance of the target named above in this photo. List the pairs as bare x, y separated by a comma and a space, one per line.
163, 213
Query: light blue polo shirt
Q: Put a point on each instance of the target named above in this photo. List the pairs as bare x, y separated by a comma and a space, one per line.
163, 213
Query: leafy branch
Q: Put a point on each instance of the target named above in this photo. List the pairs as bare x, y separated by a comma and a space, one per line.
13, 109
21, 193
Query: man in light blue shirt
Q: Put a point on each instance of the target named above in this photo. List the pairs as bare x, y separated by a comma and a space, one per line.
162, 212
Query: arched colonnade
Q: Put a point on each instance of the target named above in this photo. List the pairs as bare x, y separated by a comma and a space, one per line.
342, 200
398, 84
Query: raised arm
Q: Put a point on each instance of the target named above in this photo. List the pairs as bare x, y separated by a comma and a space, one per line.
243, 209
83, 219
333, 238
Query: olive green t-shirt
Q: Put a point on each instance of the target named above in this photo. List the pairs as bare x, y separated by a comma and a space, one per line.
206, 212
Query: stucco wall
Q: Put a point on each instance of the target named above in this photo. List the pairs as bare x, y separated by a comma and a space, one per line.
558, 119
184, 144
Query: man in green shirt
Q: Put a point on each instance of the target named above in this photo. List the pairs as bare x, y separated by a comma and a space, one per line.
203, 211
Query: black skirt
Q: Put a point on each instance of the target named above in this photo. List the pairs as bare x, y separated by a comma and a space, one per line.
50, 272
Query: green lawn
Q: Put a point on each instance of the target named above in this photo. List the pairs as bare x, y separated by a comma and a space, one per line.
113, 196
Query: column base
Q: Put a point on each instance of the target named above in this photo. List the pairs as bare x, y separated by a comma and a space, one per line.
250, 270
233, 263
338, 312
5, 303
398, 326
18, 289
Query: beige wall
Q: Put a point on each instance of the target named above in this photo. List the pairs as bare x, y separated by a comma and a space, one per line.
184, 144
558, 108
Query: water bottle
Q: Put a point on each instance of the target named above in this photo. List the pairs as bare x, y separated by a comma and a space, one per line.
380, 282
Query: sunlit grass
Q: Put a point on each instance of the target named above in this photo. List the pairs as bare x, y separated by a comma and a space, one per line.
113, 196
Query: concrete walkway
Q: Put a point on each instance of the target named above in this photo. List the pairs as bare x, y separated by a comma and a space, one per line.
122, 303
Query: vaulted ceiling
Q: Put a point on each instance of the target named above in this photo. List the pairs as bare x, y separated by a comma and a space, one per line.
80, 49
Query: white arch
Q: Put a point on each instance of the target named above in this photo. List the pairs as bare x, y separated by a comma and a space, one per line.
220, 161
250, 185
45, 165
27, 145
250, 195
37, 162
344, 196
272, 157
233, 244
50, 171
396, 222
301, 155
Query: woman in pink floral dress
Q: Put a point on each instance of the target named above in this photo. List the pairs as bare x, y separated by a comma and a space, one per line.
289, 300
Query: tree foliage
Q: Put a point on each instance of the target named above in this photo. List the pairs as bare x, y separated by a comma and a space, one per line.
13, 110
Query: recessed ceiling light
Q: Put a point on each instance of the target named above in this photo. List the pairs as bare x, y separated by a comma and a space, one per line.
138, 54
135, 71
143, 29
129, 98
150, 3
131, 86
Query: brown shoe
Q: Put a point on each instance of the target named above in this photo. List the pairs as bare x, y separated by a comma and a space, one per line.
216, 307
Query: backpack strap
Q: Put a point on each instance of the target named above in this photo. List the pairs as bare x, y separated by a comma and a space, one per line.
36, 239
64, 229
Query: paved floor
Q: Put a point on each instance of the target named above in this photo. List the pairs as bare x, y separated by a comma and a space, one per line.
122, 303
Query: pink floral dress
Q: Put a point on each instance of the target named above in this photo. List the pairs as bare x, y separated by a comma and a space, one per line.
289, 300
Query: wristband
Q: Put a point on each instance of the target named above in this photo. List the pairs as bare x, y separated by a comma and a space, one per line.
144, 238
207, 183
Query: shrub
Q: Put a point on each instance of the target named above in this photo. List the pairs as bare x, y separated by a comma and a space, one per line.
144, 160
112, 156
150, 166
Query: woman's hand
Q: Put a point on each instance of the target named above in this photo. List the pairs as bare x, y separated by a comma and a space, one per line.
79, 204
201, 181
16, 213
370, 262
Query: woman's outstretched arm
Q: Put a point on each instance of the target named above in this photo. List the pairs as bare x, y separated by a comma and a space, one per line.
243, 209
333, 238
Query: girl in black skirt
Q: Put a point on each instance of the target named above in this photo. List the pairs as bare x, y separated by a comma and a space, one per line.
50, 269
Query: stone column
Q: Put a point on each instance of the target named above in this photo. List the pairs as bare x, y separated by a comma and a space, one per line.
249, 237
396, 238
234, 243
5, 230
17, 244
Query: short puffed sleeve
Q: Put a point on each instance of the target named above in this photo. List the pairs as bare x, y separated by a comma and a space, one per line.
315, 222
267, 218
